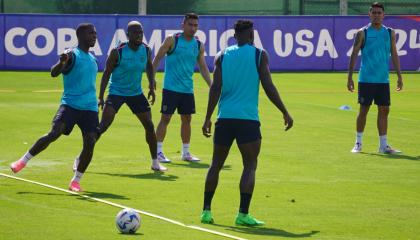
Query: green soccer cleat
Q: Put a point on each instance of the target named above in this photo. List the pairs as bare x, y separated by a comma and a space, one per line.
206, 217
247, 220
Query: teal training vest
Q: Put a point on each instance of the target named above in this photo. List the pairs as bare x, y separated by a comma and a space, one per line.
180, 63
126, 76
80, 82
240, 82
376, 50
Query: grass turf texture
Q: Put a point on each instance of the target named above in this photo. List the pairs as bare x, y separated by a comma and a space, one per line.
308, 183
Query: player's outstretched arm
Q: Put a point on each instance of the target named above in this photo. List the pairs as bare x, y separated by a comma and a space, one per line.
214, 95
202, 65
271, 90
358, 41
396, 61
62, 63
111, 61
165, 48
150, 76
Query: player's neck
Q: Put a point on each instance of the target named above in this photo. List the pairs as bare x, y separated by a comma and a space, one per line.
376, 25
133, 46
84, 48
242, 43
187, 38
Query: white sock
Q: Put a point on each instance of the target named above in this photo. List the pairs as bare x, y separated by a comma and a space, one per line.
159, 147
155, 163
25, 158
77, 176
185, 148
383, 141
359, 136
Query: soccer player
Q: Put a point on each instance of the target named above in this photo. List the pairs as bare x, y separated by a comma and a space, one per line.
182, 52
376, 42
236, 78
124, 68
78, 103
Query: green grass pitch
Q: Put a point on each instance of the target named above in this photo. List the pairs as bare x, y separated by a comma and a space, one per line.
308, 184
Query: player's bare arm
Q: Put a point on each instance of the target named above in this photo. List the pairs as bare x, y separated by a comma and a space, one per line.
214, 95
111, 61
396, 61
150, 76
63, 62
271, 90
357, 45
165, 48
202, 65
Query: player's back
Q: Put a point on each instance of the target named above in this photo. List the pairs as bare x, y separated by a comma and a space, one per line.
240, 82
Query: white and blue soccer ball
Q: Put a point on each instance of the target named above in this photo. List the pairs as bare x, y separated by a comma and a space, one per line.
127, 221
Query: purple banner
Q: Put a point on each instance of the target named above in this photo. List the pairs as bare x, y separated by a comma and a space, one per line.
294, 43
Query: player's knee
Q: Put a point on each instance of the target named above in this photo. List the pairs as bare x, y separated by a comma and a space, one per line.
186, 119
90, 141
165, 120
53, 135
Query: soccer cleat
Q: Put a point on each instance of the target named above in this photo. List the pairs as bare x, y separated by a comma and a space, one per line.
161, 157
159, 168
357, 148
17, 166
388, 150
75, 186
243, 219
206, 217
189, 158
75, 164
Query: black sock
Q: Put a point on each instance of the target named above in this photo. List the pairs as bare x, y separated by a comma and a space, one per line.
208, 196
245, 201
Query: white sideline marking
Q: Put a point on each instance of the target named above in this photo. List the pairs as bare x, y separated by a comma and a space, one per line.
122, 206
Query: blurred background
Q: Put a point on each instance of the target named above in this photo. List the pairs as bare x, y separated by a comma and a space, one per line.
205, 7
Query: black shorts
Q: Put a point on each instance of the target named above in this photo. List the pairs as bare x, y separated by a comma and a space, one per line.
171, 100
87, 121
244, 131
378, 92
137, 103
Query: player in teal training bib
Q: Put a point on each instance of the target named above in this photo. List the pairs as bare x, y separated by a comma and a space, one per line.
78, 104
183, 51
377, 43
124, 69
236, 79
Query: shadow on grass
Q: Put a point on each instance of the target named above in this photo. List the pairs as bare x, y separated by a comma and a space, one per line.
153, 175
394, 156
130, 234
103, 195
267, 231
100, 195
198, 165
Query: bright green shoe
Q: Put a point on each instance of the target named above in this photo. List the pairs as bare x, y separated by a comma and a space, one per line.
247, 220
206, 217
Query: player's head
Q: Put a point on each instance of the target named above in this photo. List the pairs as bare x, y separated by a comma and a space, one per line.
376, 13
244, 31
135, 32
86, 34
190, 24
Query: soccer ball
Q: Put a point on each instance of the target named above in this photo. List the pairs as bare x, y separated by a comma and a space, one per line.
127, 221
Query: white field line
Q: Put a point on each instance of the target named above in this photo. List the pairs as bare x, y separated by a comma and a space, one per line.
122, 206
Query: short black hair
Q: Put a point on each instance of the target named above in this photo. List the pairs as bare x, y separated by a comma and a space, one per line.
378, 5
190, 16
242, 25
83, 27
